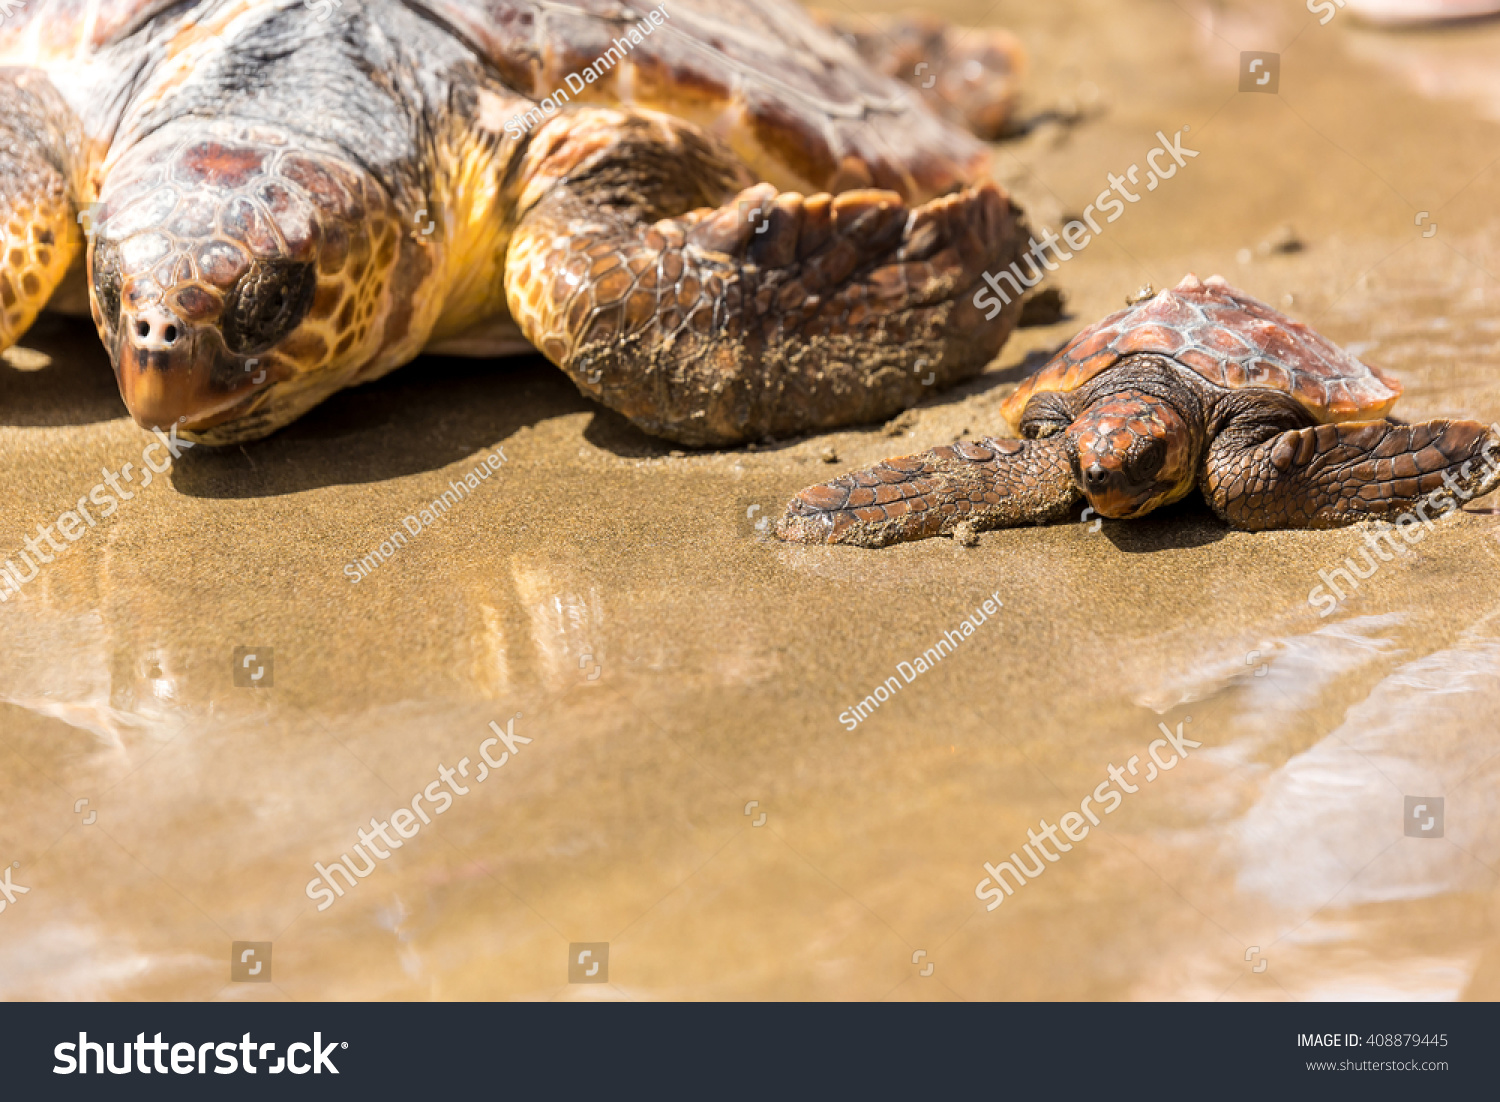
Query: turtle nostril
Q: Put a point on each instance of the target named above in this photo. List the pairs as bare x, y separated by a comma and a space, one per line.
1096, 477
156, 330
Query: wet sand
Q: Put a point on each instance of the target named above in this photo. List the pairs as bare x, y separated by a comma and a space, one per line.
681, 676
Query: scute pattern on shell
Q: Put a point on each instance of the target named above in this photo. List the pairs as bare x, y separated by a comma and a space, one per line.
1229, 338
789, 97
46, 30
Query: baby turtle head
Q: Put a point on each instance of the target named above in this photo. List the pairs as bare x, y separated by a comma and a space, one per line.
239, 275
1132, 451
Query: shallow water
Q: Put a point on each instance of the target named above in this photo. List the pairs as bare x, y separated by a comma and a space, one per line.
680, 676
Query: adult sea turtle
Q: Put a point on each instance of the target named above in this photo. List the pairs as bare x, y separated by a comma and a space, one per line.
719, 217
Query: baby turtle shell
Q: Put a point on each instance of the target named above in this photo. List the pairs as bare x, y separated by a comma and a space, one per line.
1230, 339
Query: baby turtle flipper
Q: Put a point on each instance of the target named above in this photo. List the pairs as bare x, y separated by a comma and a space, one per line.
1327, 476
759, 313
989, 483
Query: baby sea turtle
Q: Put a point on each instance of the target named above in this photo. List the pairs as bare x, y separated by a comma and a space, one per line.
716, 216
1200, 385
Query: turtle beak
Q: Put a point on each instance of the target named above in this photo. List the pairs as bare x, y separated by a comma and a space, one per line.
166, 371
1119, 506
1113, 495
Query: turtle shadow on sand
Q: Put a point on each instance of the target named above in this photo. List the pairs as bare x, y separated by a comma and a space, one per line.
432, 413
1189, 523
611, 432
76, 388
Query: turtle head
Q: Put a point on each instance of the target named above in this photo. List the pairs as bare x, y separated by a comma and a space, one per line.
240, 274
1132, 451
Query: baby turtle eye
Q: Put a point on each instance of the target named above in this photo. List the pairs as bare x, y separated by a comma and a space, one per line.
1041, 429
107, 285
267, 304
1044, 417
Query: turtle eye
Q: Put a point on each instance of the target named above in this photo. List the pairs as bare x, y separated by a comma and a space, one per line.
1044, 417
1146, 464
267, 304
1041, 429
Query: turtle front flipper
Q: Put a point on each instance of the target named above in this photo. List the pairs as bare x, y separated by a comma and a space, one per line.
754, 315
39, 238
990, 484
1327, 476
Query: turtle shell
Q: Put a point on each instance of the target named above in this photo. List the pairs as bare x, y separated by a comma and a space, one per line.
1232, 341
792, 99
55, 30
